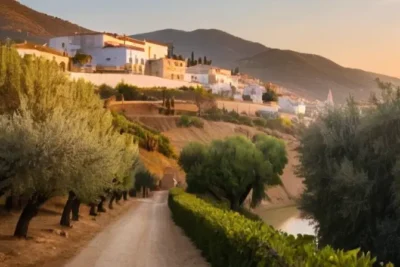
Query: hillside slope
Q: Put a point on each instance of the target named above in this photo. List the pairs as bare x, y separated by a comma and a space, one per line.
310, 76
179, 137
222, 48
21, 22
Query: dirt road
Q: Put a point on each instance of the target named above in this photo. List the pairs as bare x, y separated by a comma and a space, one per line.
145, 237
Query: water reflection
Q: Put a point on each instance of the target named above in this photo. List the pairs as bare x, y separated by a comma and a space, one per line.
286, 219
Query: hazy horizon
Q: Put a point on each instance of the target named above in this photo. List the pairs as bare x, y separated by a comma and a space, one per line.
362, 34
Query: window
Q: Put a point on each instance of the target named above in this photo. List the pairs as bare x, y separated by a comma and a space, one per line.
130, 60
136, 60
142, 61
108, 59
172, 76
176, 64
155, 56
181, 64
177, 76
63, 45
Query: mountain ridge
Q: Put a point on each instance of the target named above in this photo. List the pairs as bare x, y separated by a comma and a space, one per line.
18, 21
309, 75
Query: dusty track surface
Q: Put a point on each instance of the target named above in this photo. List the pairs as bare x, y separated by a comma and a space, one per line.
145, 236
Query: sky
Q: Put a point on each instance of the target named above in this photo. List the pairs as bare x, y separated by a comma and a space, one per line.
354, 33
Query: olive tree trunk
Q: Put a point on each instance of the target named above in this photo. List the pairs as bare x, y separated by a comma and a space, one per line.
125, 195
66, 215
92, 211
110, 204
100, 207
76, 204
30, 210
9, 203
118, 197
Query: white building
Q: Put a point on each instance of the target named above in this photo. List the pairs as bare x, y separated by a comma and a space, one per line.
255, 92
219, 80
289, 105
111, 51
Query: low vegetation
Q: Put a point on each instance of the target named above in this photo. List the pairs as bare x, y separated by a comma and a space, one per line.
189, 121
228, 239
222, 168
270, 122
149, 139
350, 160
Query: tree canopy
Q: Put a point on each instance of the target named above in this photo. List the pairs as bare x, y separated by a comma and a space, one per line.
55, 136
350, 160
232, 168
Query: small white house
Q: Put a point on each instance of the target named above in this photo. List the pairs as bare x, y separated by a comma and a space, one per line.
255, 92
291, 106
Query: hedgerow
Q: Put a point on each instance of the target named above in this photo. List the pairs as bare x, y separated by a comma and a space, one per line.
229, 239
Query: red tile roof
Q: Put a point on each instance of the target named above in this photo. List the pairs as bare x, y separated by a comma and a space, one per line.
110, 45
39, 47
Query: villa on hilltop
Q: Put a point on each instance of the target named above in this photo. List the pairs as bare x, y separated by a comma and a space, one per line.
116, 53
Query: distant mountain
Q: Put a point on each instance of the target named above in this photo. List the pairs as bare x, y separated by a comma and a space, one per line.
224, 49
21, 22
308, 75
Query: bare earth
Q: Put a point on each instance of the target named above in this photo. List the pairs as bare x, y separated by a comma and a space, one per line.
145, 236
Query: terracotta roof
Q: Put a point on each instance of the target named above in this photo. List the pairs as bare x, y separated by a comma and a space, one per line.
39, 47
130, 39
155, 42
110, 45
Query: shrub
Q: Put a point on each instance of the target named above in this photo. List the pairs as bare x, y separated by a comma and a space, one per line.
260, 122
228, 239
148, 139
188, 121
247, 98
245, 120
106, 91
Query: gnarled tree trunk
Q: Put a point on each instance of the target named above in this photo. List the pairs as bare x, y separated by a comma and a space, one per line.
125, 195
110, 204
31, 210
9, 203
143, 191
92, 211
75, 209
118, 196
100, 207
66, 215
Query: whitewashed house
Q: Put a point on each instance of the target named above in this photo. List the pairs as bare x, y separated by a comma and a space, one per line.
255, 92
289, 105
111, 51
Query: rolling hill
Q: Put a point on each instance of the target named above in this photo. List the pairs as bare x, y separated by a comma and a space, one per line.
20, 22
308, 75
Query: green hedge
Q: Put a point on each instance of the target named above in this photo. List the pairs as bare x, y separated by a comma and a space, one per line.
228, 239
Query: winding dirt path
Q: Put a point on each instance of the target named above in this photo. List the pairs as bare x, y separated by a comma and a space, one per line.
145, 237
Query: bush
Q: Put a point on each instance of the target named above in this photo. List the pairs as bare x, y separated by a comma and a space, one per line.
228, 239
260, 122
188, 121
245, 120
106, 91
148, 139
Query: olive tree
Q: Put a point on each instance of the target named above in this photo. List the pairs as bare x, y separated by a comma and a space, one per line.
56, 137
350, 160
232, 168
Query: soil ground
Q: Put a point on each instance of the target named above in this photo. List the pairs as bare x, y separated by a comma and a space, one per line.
47, 249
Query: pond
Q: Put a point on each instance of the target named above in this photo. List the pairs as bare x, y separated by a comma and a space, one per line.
286, 219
